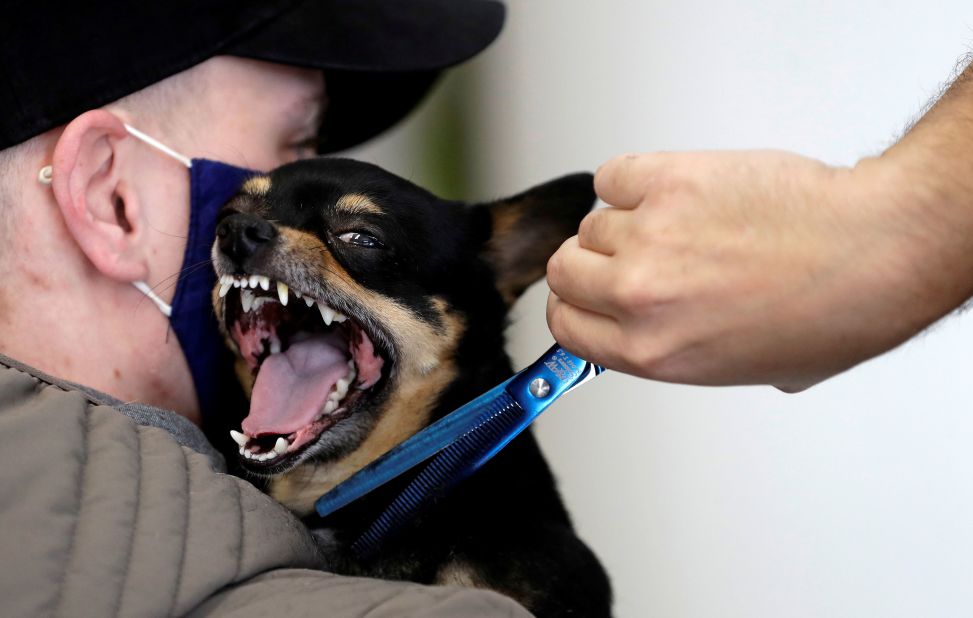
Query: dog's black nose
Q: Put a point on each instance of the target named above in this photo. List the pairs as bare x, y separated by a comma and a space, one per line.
242, 235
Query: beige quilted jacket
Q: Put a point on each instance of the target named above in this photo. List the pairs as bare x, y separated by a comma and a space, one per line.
104, 514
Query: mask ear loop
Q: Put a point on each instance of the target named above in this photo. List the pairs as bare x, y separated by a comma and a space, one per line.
46, 175
163, 306
151, 141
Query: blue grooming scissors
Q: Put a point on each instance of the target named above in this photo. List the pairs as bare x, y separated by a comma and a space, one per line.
458, 444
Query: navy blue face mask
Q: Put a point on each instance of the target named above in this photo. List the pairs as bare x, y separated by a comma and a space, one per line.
191, 316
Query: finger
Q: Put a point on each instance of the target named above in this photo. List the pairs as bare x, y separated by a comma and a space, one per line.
624, 180
592, 336
582, 277
602, 229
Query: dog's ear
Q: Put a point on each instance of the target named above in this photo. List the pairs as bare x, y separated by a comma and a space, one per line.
527, 229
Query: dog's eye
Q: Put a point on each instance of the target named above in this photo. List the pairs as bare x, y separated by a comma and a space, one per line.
360, 239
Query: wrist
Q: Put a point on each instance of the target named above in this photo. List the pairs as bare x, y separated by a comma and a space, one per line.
923, 213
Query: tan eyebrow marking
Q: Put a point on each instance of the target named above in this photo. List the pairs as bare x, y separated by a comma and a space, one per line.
258, 185
357, 204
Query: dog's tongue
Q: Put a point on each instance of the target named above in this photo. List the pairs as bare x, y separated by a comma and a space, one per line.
292, 387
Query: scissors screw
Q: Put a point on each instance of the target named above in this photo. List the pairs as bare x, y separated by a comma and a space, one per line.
539, 387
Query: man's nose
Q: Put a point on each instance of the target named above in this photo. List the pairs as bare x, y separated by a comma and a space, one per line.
242, 235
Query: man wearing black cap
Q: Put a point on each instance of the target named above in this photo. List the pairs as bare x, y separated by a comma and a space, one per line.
119, 508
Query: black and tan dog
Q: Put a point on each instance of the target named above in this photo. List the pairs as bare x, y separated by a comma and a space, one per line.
363, 308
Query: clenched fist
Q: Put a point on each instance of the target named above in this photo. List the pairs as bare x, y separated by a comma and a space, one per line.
755, 267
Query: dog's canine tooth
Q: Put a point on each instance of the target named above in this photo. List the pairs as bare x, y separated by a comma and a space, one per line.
327, 313
239, 438
282, 292
264, 283
281, 445
225, 287
246, 297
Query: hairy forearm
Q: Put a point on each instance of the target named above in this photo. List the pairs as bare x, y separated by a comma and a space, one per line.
928, 175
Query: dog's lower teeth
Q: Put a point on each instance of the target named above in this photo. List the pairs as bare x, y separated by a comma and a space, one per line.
246, 297
281, 446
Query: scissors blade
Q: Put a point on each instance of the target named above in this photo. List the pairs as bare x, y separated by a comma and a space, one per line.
407, 454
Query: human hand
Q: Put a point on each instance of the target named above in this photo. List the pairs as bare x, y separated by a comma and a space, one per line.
746, 268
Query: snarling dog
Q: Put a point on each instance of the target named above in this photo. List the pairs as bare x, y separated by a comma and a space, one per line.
362, 308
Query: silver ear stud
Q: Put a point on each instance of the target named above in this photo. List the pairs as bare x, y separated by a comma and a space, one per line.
45, 175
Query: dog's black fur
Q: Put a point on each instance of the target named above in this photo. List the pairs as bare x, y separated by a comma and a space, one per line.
445, 262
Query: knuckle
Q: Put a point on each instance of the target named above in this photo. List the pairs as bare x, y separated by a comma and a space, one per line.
555, 266
588, 228
633, 292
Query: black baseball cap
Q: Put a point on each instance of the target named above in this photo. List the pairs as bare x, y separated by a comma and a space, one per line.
380, 57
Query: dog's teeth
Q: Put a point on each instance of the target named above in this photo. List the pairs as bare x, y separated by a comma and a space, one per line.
254, 281
281, 445
225, 287
297, 293
282, 292
327, 313
308, 301
341, 387
275, 346
264, 283
239, 438
330, 406
243, 452
339, 317
246, 297
248, 454
260, 301
236, 282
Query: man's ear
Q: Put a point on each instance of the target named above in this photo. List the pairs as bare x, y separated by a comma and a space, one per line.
99, 208
528, 228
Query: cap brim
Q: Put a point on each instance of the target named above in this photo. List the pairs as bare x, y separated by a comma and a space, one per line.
380, 57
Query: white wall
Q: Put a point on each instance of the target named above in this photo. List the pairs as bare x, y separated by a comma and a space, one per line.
852, 499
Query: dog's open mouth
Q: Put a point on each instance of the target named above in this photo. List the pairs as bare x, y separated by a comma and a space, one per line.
313, 366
